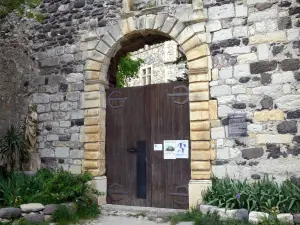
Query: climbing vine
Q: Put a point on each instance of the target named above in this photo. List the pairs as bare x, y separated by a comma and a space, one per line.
21, 7
128, 68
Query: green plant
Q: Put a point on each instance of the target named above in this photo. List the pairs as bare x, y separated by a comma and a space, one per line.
21, 6
13, 148
46, 187
128, 68
84, 210
264, 195
190, 215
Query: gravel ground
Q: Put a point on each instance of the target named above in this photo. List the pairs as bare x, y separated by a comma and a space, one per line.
122, 220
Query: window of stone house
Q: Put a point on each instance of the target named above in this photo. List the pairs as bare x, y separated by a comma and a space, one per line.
146, 74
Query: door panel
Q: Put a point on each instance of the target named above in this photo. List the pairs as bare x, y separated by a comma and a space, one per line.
125, 126
169, 121
146, 117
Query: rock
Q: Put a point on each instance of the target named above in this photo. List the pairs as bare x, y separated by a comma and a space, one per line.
239, 106
274, 151
263, 6
265, 78
255, 176
34, 217
71, 206
263, 66
79, 4
277, 49
296, 139
252, 153
159, 220
293, 114
285, 218
49, 209
284, 23
287, 127
7, 213
284, 4
267, 103
207, 209
256, 217
297, 76
290, 64
296, 218
294, 10
186, 223
238, 214
32, 207
244, 79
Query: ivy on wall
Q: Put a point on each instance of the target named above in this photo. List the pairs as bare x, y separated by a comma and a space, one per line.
128, 68
21, 7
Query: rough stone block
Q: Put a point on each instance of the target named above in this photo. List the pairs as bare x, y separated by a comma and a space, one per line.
241, 10
286, 218
200, 165
32, 207
263, 116
199, 115
213, 109
222, 35
196, 189
39, 98
217, 133
288, 102
200, 155
276, 36
200, 135
221, 12
213, 25
252, 153
198, 52
92, 65
274, 138
62, 152
199, 125
286, 127
220, 90
256, 217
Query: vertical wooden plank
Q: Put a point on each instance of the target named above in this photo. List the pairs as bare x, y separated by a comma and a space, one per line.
125, 126
169, 121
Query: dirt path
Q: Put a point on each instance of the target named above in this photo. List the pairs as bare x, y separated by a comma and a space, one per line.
121, 220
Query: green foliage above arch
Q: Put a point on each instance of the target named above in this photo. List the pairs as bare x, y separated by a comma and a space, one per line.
128, 68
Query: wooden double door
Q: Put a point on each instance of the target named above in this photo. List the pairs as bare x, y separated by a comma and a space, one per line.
136, 119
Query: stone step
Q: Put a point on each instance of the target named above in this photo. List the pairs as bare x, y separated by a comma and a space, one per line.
150, 212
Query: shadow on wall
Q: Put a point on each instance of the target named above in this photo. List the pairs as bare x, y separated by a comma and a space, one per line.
18, 75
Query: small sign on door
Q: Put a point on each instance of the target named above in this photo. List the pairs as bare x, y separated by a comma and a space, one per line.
158, 147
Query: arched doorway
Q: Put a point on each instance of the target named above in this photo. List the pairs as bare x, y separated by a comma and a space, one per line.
139, 118
95, 105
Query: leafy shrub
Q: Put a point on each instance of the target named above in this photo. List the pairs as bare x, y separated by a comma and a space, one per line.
47, 186
214, 219
13, 148
85, 210
264, 195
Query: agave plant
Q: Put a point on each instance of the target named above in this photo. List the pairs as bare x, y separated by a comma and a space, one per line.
13, 149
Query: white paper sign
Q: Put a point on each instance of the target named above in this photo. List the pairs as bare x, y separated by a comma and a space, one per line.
182, 149
169, 149
158, 147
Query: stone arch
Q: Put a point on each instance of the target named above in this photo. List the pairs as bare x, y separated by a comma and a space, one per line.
202, 109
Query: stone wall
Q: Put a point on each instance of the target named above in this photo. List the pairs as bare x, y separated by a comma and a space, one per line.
255, 56
163, 60
61, 44
18, 73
